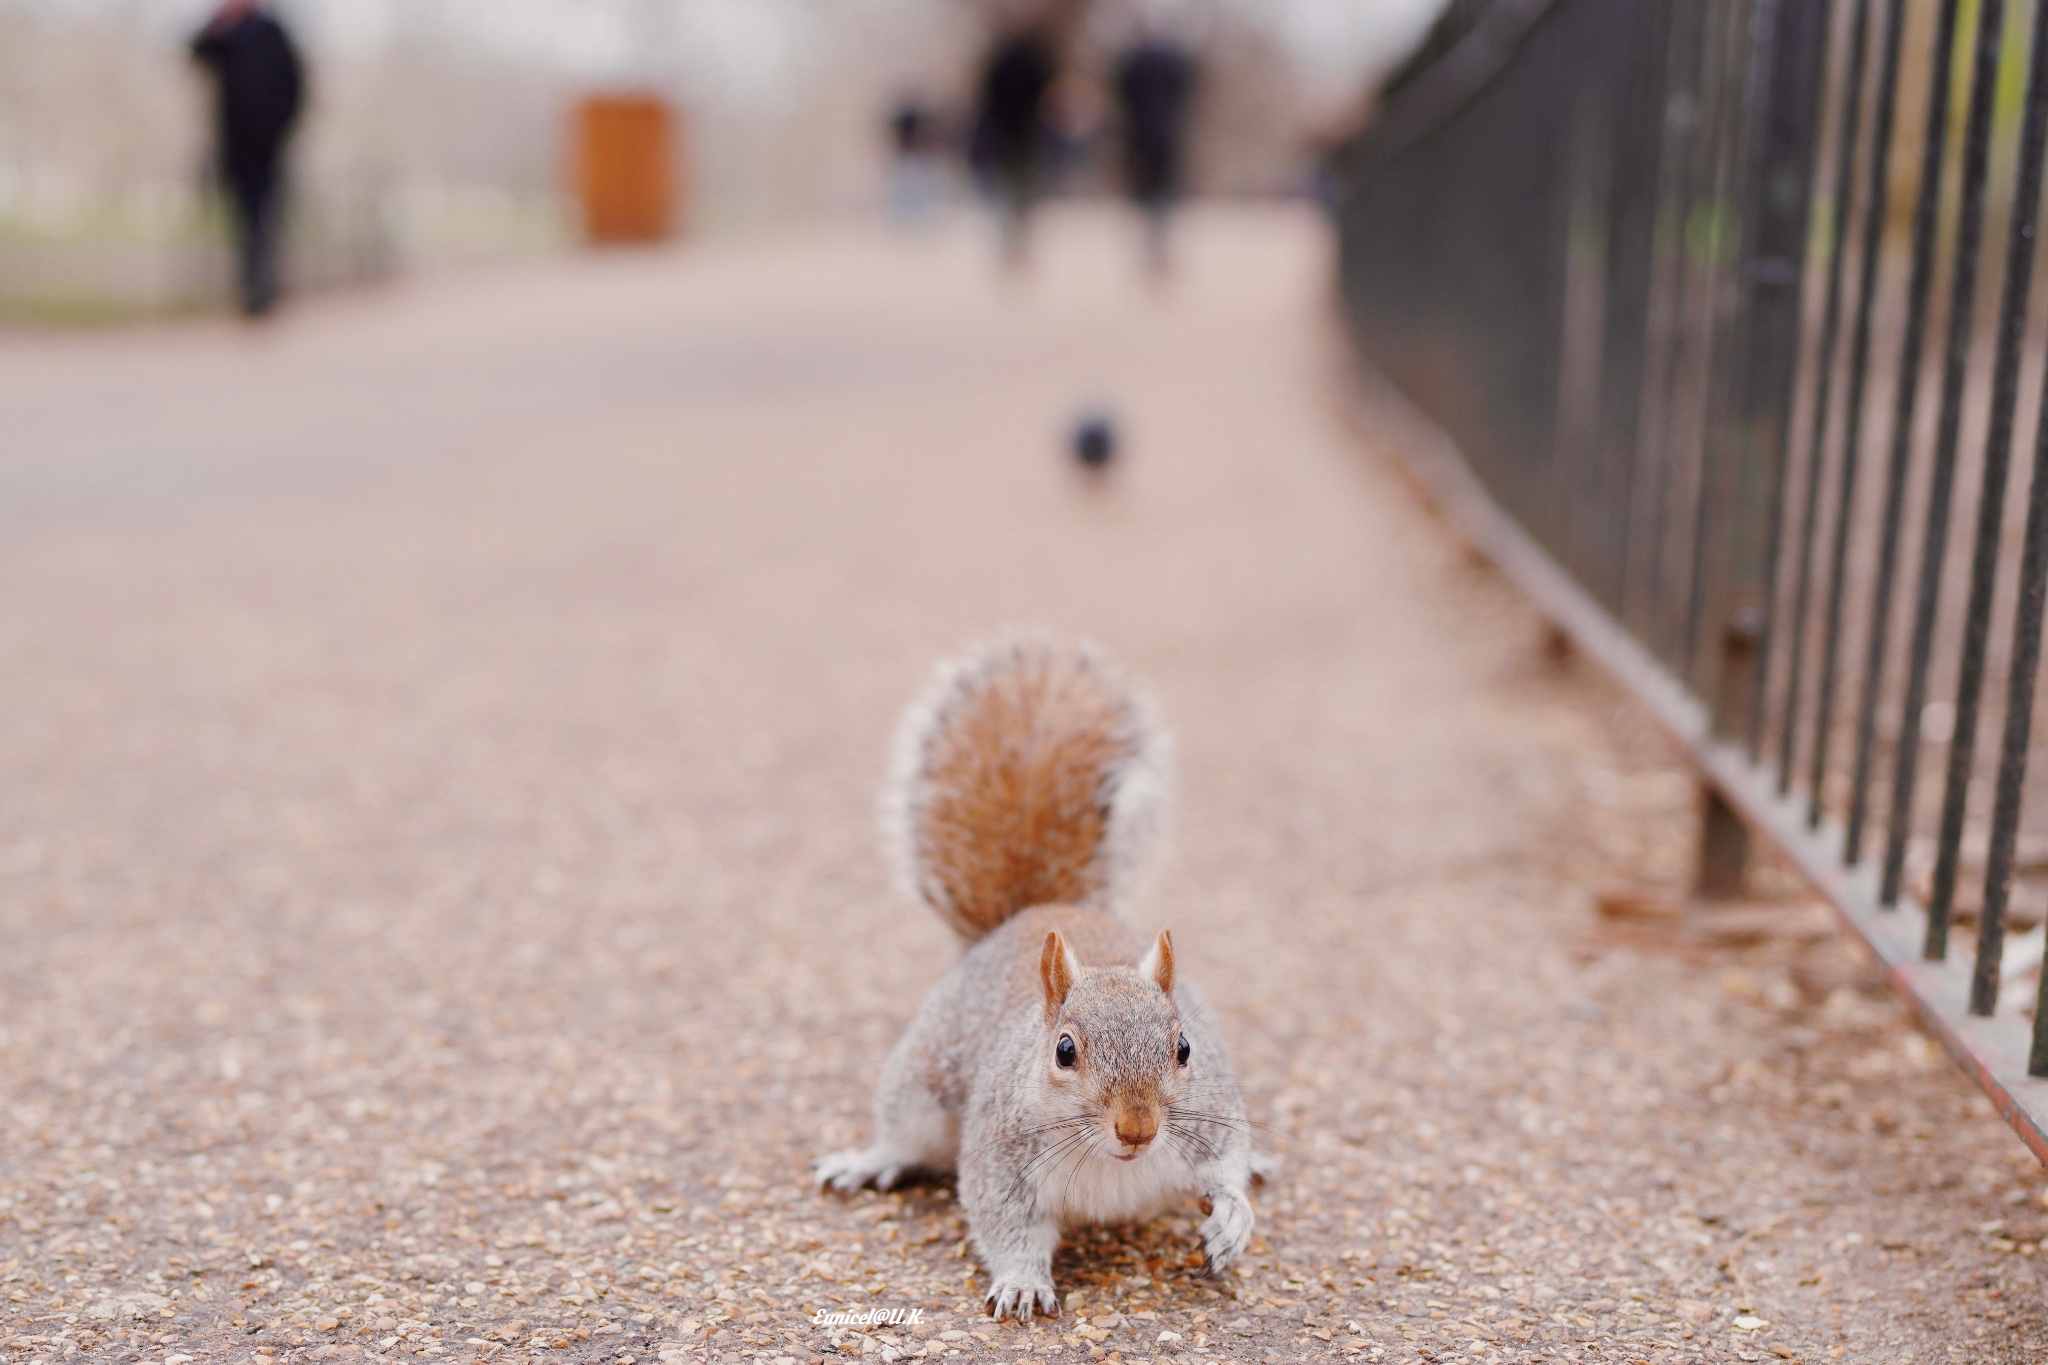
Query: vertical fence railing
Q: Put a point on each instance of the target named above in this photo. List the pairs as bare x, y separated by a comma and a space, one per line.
1665, 273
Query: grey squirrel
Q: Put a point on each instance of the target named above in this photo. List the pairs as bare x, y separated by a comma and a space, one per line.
1066, 1071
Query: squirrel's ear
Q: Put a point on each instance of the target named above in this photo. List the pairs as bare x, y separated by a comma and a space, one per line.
1057, 969
1158, 963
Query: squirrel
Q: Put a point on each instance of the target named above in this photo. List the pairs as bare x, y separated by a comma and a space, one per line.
1066, 1072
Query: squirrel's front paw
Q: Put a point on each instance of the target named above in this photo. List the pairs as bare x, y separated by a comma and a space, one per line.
1226, 1231
1018, 1301
849, 1170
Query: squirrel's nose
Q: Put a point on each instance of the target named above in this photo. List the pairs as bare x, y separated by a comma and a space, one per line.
1135, 1127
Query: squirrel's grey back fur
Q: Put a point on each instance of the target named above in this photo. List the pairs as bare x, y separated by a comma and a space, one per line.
1068, 1074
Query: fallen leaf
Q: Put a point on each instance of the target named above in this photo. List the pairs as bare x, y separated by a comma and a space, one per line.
1639, 906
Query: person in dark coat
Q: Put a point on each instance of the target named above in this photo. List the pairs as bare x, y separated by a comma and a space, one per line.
1010, 129
1155, 86
259, 85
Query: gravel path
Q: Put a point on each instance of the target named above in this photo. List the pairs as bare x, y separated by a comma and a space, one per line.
439, 912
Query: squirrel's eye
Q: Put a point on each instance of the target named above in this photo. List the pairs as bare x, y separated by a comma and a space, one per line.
1180, 1054
1064, 1053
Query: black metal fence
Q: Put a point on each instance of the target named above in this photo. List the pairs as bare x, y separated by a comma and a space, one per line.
1728, 308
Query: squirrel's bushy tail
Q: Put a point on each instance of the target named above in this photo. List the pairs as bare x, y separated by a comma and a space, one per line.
1028, 774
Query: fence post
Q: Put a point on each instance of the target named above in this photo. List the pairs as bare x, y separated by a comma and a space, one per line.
1747, 450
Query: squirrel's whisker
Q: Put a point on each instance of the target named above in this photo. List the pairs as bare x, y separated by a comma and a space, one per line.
1037, 1162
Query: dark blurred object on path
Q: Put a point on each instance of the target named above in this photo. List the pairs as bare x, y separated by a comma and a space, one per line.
1094, 440
1010, 131
1155, 86
259, 85
917, 179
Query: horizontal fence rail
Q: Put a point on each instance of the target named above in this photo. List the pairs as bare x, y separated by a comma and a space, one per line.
1728, 311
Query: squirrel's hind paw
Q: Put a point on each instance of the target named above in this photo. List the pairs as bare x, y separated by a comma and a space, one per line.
1019, 1301
848, 1171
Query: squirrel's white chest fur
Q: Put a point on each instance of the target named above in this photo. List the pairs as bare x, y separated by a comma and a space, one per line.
1105, 1190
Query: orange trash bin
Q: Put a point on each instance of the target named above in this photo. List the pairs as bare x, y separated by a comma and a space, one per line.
625, 168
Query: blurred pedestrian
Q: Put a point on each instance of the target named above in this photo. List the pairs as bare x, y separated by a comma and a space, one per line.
917, 179
1010, 131
259, 86
1155, 86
